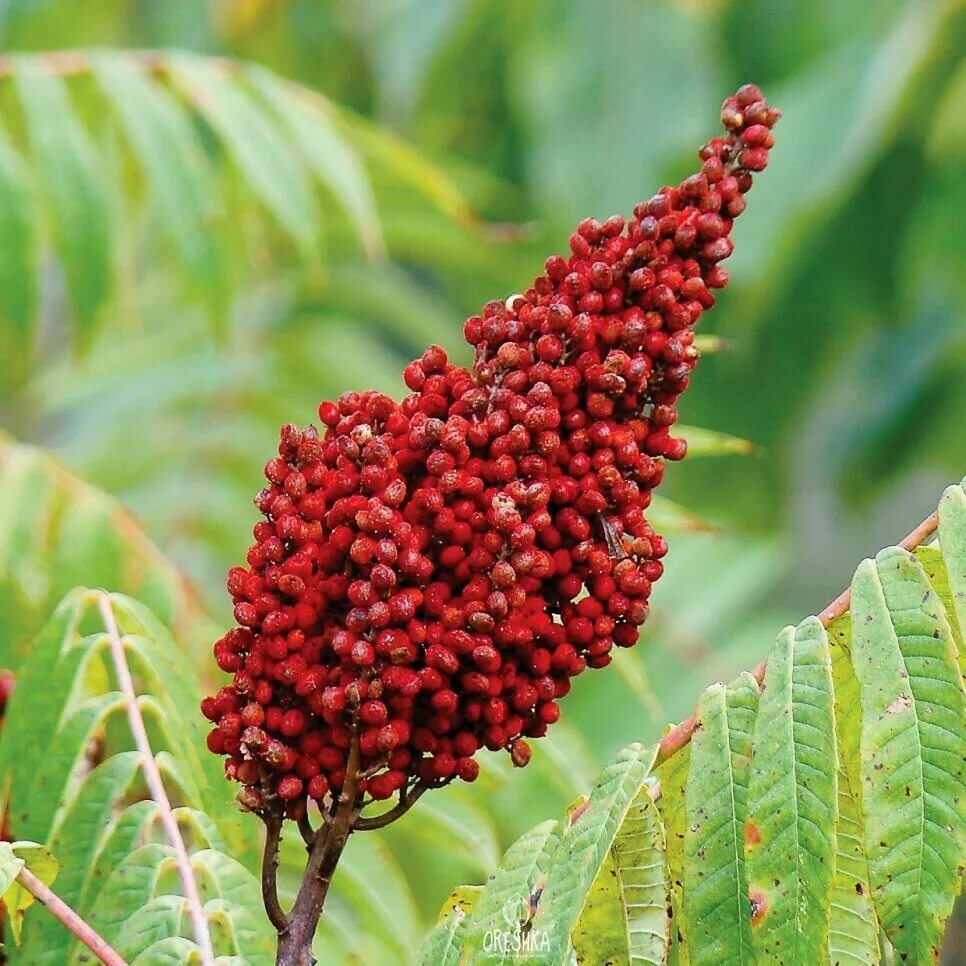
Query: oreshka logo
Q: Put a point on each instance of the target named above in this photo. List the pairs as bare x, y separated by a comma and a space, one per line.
519, 938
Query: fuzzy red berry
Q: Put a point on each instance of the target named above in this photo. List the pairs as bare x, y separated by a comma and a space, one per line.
431, 574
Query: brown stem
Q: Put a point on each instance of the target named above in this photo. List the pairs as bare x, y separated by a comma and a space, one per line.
273, 819
295, 940
406, 802
77, 926
306, 831
681, 734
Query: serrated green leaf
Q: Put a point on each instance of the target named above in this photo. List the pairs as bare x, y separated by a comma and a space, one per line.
586, 843
177, 174
509, 889
673, 775
934, 566
223, 878
172, 951
716, 914
75, 843
55, 779
853, 938
32, 717
124, 833
792, 801
131, 884
853, 928
329, 155
72, 182
912, 763
441, 947
253, 140
625, 917
162, 917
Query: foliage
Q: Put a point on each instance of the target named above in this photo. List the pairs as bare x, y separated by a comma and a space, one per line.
814, 811
841, 343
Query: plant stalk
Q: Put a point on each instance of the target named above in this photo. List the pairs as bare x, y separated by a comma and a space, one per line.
295, 939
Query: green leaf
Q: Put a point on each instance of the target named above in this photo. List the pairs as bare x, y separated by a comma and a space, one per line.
441, 947
258, 147
673, 775
18, 270
853, 928
716, 914
853, 937
172, 951
462, 900
162, 917
456, 822
669, 517
229, 885
952, 539
792, 801
507, 891
10, 866
372, 881
56, 532
75, 845
125, 833
326, 151
707, 442
404, 165
54, 782
178, 176
912, 762
131, 884
14, 857
587, 841
625, 917
72, 183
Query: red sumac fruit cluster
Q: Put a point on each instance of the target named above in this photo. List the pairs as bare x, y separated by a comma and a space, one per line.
430, 574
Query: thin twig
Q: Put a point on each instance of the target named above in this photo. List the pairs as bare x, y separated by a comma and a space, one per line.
73, 922
306, 831
152, 776
681, 734
273, 819
405, 803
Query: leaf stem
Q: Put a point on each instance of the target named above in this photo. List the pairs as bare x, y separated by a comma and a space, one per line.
152, 777
680, 735
71, 920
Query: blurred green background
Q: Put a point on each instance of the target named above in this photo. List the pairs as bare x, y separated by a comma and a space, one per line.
192, 253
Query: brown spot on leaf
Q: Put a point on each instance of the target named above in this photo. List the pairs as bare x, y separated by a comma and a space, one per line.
759, 907
752, 834
902, 703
